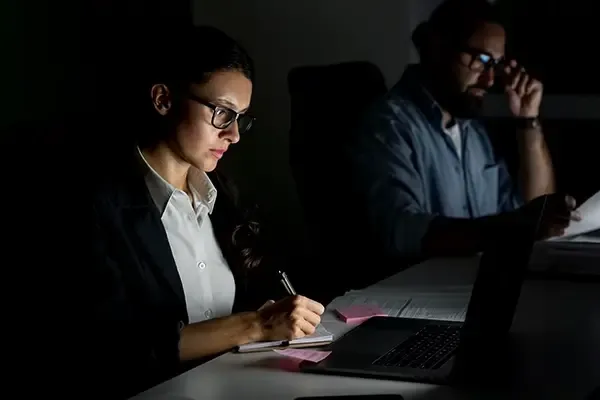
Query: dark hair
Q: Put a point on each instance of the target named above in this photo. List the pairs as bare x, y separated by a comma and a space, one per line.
237, 228
179, 58
455, 21
191, 54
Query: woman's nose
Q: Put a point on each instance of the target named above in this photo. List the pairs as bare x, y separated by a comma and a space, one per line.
232, 132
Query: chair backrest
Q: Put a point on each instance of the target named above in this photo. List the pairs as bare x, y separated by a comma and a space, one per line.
327, 103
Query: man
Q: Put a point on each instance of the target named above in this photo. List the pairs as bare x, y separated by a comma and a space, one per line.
424, 169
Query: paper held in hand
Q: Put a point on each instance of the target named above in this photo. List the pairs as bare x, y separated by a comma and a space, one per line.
590, 219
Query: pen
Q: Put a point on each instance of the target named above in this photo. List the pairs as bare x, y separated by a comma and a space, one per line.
286, 283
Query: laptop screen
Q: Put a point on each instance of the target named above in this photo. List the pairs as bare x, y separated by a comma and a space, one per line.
498, 283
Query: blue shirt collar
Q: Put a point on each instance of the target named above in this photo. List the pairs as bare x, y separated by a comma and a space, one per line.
411, 85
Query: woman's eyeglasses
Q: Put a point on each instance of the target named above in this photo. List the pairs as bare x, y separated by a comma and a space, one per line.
223, 117
482, 61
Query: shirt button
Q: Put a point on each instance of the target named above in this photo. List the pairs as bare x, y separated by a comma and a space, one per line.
208, 313
201, 265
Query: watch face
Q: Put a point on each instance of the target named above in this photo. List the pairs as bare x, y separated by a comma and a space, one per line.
528, 123
535, 123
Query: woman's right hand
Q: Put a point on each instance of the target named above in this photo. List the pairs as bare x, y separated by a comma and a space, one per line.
290, 318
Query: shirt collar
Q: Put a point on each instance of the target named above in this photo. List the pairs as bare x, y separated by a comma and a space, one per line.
203, 190
411, 84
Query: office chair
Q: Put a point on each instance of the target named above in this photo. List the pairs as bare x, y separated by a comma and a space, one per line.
326, 106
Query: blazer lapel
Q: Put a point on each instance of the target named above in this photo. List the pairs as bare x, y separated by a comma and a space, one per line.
146, 228
142, 221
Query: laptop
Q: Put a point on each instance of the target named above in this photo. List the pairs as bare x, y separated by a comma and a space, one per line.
443, 352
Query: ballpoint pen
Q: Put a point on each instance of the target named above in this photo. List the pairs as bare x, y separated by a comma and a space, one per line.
286, 283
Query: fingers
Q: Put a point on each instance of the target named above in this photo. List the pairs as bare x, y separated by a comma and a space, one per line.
522, 81
559, 215
532, 85
518, 80
302, 322
510, 76
301, 301
301, 328
305, 316
313, 318
268, 303
570, 202
557, 204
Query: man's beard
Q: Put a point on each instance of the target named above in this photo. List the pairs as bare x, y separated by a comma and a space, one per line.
462, 105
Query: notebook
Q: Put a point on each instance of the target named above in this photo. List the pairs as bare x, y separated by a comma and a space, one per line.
321, 337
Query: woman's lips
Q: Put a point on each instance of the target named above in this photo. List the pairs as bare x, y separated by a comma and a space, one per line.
218, 153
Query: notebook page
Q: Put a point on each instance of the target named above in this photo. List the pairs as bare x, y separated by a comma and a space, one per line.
321, 335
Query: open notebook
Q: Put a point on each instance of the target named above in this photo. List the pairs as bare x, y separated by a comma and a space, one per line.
321, 337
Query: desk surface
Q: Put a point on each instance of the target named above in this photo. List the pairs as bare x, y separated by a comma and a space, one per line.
557, 326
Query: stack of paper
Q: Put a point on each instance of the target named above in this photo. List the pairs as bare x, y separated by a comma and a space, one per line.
391, 306
449, 306
446, 307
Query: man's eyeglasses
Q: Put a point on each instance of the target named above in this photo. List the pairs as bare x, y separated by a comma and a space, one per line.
482, 61
223, 117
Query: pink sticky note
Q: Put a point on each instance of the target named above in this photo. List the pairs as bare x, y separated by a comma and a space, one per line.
359, 313
303, 354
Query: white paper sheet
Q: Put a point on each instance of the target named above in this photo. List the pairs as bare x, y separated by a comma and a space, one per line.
590, 219
446, 307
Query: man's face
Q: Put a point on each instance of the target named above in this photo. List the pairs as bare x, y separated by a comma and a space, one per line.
472, 71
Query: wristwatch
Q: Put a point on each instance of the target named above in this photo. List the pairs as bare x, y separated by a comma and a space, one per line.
528, 123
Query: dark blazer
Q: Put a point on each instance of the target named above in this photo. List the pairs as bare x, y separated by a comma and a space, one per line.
137, 297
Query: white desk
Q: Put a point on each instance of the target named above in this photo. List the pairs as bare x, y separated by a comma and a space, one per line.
557, 323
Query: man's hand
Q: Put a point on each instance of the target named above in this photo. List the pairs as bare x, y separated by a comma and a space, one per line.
550, 215
524, 92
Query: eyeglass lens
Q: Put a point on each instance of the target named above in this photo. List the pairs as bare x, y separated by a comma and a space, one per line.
223, 117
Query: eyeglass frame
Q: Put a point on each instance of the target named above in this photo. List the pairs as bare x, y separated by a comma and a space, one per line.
214, 108
475, 55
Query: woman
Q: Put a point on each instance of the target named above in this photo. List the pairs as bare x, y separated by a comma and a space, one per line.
173, 251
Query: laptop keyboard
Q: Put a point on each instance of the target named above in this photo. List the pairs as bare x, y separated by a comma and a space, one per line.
429, 348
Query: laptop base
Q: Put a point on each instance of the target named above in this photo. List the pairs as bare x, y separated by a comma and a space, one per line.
475, 363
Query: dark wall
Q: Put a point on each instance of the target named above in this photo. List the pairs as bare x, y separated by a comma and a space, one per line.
555, 41
71, 66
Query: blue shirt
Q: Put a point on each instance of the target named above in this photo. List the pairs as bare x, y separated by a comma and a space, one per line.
406, 169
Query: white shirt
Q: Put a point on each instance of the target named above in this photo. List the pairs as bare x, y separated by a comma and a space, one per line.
206, 278
454, 133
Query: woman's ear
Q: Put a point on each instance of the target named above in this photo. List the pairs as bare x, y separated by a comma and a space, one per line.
161, 98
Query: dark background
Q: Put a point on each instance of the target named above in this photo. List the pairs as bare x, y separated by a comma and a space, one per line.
69, 68
554, 39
